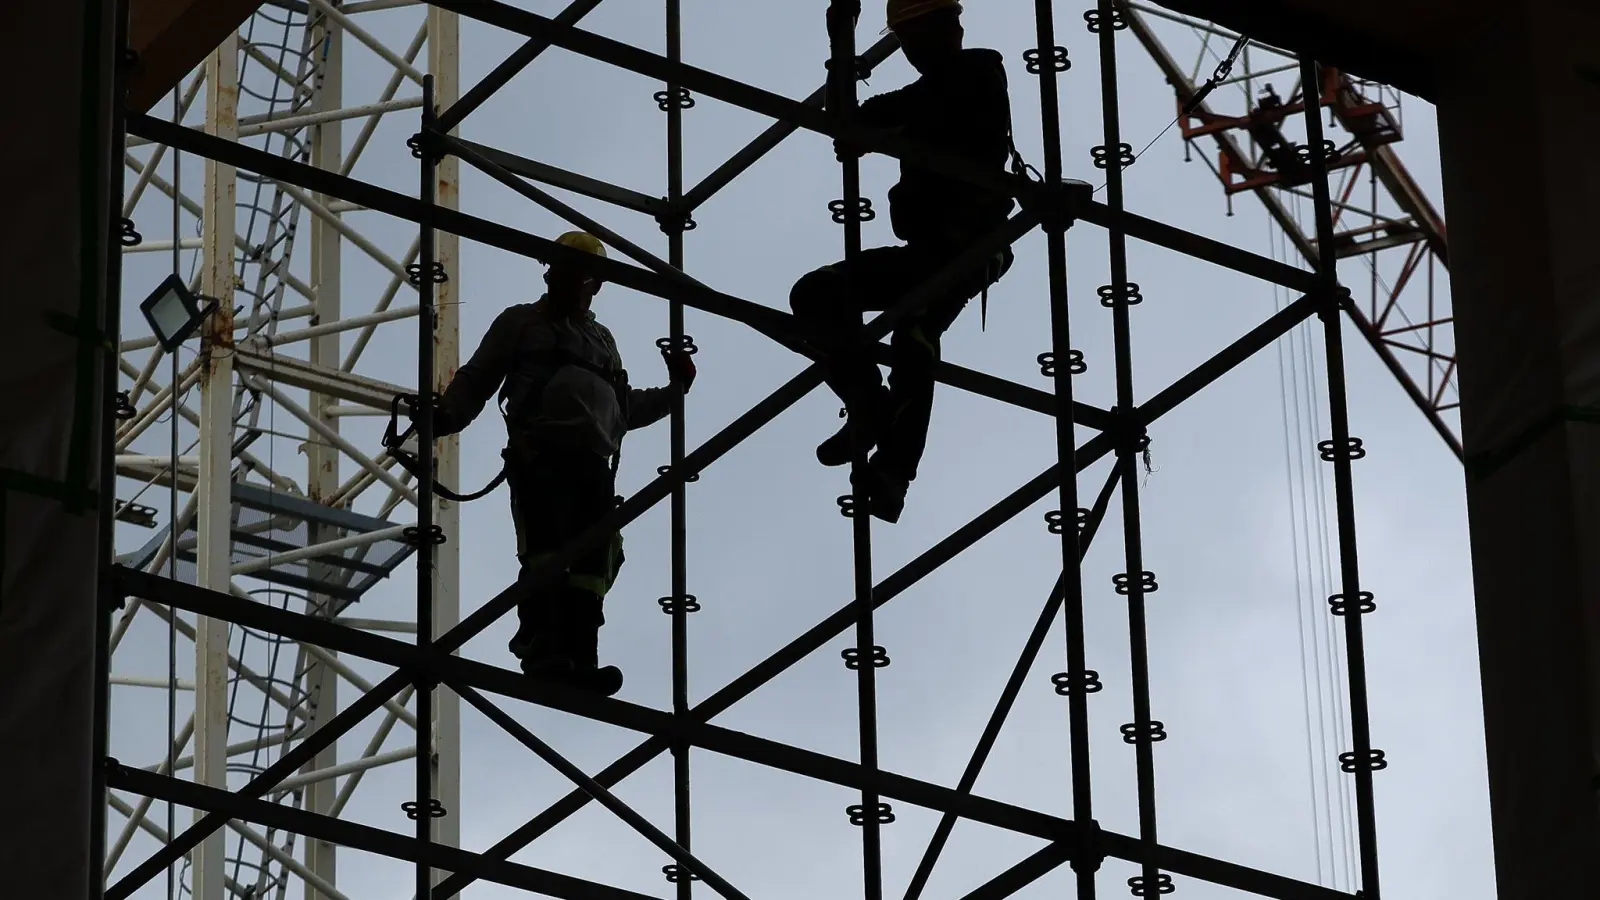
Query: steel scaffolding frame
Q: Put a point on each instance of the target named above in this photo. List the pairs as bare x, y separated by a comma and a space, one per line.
428, 669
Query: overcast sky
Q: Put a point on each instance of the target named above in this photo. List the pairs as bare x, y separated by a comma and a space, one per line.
769, 556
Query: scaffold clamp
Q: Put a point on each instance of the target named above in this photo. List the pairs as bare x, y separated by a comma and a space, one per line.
858, 814
1148, 733
1087, 683
676, 221
426, 144
414, 810
1142, 888
862, 70
1331, 451
1352, 762
1126, 293
852, 657
1105, 158
1075, 363
1097, 22
676, 873
842, 213
675, 97
1035, 59
672, 605
1091, 848
1330, 153
1341, 605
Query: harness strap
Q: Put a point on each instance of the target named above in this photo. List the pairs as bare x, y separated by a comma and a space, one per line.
394, 439
555, 358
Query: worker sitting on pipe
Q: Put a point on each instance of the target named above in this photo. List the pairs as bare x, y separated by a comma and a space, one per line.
567, 404
960, 106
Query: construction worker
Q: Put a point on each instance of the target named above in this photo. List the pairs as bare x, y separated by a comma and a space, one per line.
959, 105
567, 404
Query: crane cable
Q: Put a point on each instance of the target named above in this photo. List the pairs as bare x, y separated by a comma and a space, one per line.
1222, 71
1308, 501
1299, 594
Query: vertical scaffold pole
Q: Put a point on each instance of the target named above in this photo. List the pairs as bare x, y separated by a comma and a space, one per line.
1351, 603
444, 743
680, 604
1078, 681
865, 657
423, 809
1143, 733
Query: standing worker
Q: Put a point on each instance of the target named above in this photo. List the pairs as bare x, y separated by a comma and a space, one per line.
960, 106
567, 404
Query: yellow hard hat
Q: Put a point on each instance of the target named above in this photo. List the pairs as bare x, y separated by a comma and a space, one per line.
901, 11
582, 240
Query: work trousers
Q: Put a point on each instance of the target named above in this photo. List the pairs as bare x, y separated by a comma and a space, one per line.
556, 494
829, 303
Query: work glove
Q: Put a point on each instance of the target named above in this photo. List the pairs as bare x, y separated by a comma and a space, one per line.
680, 368
441, 416
843, 13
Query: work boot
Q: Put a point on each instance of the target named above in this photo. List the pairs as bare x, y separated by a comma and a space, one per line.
837, 450
520, 642
540, 642
547, 656
886, 491
586, 673
572, 657
534, 641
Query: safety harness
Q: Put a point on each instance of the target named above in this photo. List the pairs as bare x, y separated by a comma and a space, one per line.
998, 266
522, 387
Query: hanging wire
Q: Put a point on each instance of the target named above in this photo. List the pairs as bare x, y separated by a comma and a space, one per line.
1316, 584
1146, 147
1330, 643
1311, 537
1274, 236
1314, 521
172, 508
1332, 640
1337, 656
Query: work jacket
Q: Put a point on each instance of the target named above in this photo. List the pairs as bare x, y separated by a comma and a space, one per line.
962, 108
560, 381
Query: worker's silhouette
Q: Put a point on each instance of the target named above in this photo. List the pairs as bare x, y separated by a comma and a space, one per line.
959, 105
567, 404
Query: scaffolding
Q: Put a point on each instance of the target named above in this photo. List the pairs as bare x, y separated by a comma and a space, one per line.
290, 797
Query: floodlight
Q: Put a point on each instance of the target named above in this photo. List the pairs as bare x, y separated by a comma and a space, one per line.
174, 312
